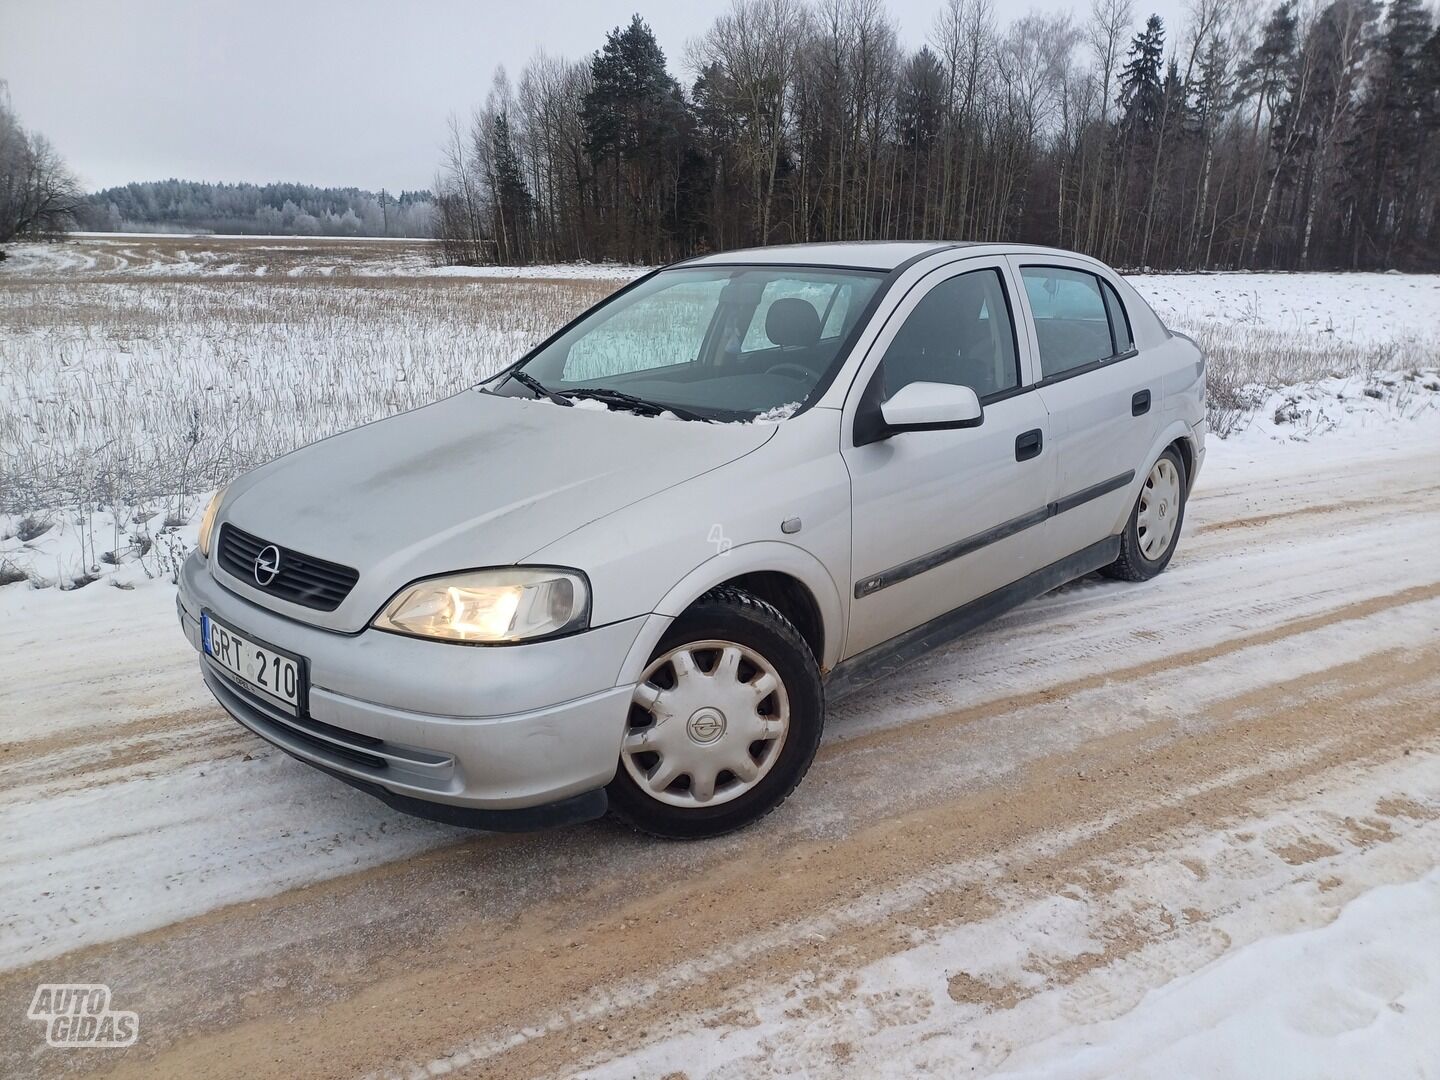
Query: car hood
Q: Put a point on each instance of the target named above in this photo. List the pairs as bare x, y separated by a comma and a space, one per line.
474, 480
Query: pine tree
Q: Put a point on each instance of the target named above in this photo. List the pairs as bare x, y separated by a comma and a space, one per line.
632, 118
1142, 95
1387, 152
918, 122
1264, 73
514, 206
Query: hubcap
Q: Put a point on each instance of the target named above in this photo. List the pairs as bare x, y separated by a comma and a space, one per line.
707, 723
1159, 509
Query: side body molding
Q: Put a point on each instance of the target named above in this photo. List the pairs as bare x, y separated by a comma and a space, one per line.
1038, 516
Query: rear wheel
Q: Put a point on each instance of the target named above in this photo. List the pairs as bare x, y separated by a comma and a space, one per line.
1153, 530
723, 723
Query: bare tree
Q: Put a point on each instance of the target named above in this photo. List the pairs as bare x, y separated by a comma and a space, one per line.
758, 42
460, 222
964, 36
39, 196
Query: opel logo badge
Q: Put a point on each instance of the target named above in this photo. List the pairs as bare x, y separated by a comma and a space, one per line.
706, 726
267, 565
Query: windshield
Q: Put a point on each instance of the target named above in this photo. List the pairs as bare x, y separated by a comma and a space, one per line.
718, 342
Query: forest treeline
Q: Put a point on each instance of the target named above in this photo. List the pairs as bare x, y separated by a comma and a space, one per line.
269, 209
1306, 136
40, 196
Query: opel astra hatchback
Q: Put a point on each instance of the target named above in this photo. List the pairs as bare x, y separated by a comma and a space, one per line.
628, 571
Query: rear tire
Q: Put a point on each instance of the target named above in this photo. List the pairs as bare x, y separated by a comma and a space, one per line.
1153, 531
723, 724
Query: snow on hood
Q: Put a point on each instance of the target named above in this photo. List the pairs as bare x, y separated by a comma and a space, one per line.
474, 480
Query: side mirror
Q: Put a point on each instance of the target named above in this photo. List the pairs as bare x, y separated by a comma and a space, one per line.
927, 406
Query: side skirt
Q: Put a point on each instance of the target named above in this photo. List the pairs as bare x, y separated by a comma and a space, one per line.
884, 659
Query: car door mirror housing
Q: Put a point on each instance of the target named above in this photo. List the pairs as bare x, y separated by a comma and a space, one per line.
928, 406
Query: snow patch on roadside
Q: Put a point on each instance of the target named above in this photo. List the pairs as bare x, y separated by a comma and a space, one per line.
1359, 997
1351, 408
72, 548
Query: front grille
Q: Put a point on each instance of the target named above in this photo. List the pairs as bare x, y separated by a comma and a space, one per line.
302, 579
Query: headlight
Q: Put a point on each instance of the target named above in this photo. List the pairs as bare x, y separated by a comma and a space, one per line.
207, 523
480, 606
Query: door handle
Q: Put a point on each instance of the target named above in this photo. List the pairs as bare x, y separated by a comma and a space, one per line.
1028, 444
1140, 403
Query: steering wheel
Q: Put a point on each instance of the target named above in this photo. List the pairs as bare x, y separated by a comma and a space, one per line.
791, 371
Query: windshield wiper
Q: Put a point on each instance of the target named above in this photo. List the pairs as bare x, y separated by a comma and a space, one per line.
630, 401
539, 389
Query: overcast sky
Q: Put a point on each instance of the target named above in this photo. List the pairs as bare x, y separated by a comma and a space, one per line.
330, 92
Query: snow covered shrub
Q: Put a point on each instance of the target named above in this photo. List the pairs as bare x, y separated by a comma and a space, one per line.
32, 526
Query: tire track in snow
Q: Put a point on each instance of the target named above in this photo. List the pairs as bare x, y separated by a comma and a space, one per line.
686, 950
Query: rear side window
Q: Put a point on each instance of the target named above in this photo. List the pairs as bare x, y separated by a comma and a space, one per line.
960, 333
1078, 318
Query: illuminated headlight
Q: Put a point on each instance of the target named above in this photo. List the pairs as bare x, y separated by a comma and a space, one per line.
207, 523
481, 606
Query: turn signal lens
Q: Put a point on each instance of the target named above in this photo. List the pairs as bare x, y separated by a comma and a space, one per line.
490, 606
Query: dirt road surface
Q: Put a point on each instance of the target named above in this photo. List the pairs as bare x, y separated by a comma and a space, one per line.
1103, 792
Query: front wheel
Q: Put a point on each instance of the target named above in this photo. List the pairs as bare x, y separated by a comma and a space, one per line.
723, 723
1153, 530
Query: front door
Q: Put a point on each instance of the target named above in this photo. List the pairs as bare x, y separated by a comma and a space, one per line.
941, 518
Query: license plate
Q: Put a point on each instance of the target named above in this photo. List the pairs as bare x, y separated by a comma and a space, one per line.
257, 665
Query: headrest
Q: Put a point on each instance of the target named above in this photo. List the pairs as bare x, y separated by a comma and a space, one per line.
792, 321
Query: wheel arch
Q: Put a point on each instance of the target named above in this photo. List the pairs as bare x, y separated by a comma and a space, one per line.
1185, 446
793, 599
1177, 433
784, 575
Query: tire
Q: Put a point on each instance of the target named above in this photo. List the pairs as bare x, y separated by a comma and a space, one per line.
1136, 563
750, 692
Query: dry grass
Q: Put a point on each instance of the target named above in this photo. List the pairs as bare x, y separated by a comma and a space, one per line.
116, 390
1247, 364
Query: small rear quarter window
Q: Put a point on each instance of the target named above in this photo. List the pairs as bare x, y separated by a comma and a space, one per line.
1119, 320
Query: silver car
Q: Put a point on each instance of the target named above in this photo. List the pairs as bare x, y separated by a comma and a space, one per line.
628, 571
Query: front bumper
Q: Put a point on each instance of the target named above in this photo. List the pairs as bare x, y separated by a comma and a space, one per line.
517, 735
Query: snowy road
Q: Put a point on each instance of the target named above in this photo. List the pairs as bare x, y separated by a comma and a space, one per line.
1082, 842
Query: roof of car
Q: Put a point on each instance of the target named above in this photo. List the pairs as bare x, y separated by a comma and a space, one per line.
860, 255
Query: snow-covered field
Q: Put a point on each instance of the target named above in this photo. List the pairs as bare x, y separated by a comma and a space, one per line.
1188, 828
172, 255
138, 373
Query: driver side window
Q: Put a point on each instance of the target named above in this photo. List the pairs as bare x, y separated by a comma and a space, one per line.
960, 333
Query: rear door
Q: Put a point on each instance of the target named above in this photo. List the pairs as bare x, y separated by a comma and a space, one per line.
939, 518
1102, 401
